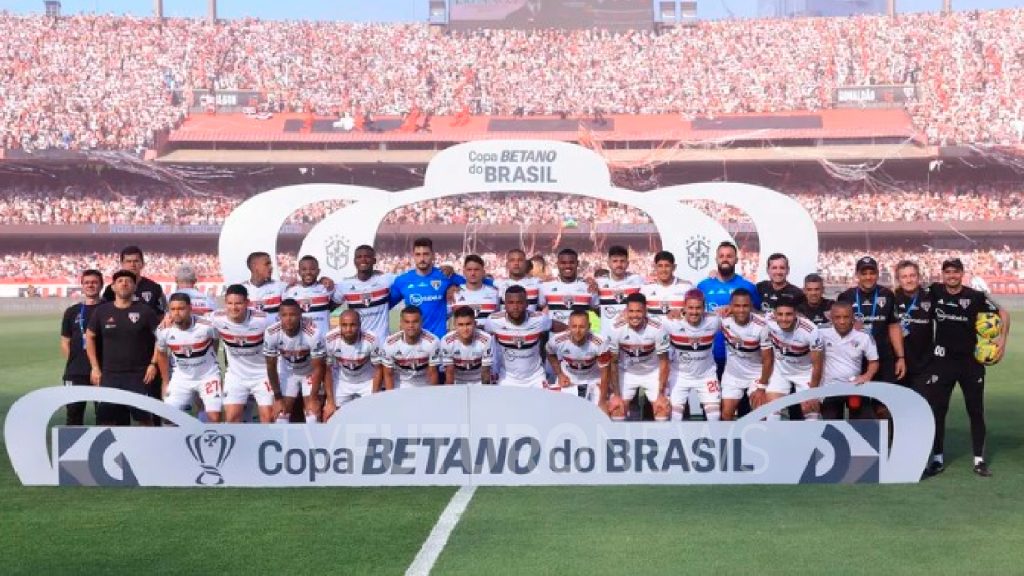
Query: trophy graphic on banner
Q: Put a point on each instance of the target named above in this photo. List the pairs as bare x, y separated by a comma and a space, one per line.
210, 449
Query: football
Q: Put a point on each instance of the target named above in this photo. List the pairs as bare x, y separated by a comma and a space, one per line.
985, 353
988, 325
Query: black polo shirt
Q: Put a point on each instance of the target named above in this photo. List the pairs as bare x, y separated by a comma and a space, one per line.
955, 316
147, 292
877, 308
914, 311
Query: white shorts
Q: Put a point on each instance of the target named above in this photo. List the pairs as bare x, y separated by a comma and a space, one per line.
631, 383
237, 390
181, 391
293, 384
780, 383
345, 392
536, 381
734, 387
707, 389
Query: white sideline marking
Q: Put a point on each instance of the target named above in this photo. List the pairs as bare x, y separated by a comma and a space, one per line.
434, 544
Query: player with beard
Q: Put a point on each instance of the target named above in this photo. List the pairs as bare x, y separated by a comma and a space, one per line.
777, 286
717, 292
411, 356
639, 347
615, 287
367, 293
955, 309
518, 269
874, 309
427, 288
815, 306
189, 344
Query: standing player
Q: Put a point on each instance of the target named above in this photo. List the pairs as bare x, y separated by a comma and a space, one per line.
750, 360
241, 329
413, 352
72, 341
955, 309
482, 299
667, 293
798, 357
639, 347
313, 297
353, 367
560, 296
777, 286
467, 353
815, 306
717, 292
693, 367
185, 278
874, 308
265, 293
615, 287
367, 293
426, 287
294, 352
846, 351
518, 269
581, 360
189, 344
517, 335
914, 312
146, 291
119, 342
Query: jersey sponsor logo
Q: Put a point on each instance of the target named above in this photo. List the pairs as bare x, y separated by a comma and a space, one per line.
941, 315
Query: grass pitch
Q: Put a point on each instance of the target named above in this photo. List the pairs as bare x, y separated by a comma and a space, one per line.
956, 523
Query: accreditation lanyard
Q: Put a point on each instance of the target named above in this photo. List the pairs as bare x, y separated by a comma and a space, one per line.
874, 308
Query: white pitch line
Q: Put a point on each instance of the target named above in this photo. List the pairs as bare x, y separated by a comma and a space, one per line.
424, 561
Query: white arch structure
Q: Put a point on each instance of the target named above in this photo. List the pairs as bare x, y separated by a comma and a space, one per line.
782, 224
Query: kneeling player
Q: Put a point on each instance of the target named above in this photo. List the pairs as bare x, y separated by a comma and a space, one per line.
581, 360
412, 352
798, 357
353, 368
192, 343
517, 335
639, 347
241, 330
693, 367
846, 350
294, 351
467, 353
749, 358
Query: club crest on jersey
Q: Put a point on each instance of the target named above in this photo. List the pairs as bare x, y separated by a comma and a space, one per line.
304, 304
881, 300
435, 284
926, 306
698, 252
133, 316
520, 341
965, 302
337, 250
567, 301
367, 298
665, 307
147, 295
619, 296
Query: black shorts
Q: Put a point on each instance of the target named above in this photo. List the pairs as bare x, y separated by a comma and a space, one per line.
129, 382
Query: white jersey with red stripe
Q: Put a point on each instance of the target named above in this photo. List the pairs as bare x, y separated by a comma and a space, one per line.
353, 363
520, 355
202, 304
743, 346
468, 359
662, 299
612, 296
266, 297
191, 349
243, 343
484, 302
638, 350
560, 298
793, 348
370, 299
410, 360
691, 346
296, 353
582, 363
531, 284
315, 301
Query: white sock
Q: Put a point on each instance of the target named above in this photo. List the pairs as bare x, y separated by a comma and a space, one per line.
775, 416
677, 415
712, 413
282, 418
978, 460
937, 458
812, 416
310, 417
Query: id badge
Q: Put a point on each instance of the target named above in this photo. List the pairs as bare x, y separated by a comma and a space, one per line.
867, 328
906, 330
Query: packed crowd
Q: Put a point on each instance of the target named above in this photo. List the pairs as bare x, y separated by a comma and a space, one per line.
104, 82
835, 265
834, 202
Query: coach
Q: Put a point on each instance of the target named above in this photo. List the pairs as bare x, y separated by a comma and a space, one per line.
146, 290
72, 341
119, 343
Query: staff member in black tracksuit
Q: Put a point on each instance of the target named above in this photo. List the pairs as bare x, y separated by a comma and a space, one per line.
874, 307
914, 311
955, 309
72, 341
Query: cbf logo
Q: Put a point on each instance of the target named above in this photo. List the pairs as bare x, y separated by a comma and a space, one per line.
698, 252
210, 449
337, 250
